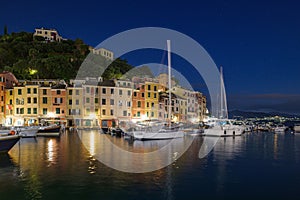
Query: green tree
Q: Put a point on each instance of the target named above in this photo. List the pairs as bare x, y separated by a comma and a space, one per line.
5, 32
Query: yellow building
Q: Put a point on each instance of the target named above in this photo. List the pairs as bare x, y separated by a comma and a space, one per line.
44, 102
9, 111
151, 99
75, 105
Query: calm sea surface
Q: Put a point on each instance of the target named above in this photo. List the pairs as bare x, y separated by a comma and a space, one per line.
254, 166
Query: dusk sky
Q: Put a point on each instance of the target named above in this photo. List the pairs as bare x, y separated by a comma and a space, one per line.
256, 42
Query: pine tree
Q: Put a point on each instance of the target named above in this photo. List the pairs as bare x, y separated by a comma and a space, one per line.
5, 30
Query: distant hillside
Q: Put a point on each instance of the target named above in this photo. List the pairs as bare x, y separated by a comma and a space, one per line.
248, 114
31, 57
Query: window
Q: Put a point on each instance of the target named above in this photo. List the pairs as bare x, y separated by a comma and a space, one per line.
152, 114
147, 104
10, 92
70, 92
87, 100
120, 103
19, 91
34, 100
154, 95
128, 103
96, 91
143, 94
58, 100
112, 91
34, 110
138, 104
152, 105
77, 101
103, 101
138, 113
34, 91
87, 111
155, 88
58, 92
28, 111
28, 100
57, 110
149, 94
149, 87
44, 91
120, 92
45, 100
21, 110
10, 101
125, 113
96, 100
134, 94
111, 112
128, 92
44, 111
77, 92
28, 90
70, 101
103, 90
103, 112
87, 90
112, 102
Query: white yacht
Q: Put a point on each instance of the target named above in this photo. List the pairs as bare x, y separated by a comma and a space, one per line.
222, 126
157, 130
280, 128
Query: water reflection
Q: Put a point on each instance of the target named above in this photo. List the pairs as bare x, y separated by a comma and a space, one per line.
136, 157
65, 169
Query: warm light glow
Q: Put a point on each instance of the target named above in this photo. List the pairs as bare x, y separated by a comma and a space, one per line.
92, 144
144, 117
92, 115
32, 71
50, 150
51, 114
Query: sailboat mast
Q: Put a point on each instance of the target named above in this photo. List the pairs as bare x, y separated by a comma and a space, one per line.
221, 93
169, 80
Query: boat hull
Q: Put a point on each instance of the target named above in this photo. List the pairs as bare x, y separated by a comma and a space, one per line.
158, 135
49, 132
297, 129
7, 142
218, 132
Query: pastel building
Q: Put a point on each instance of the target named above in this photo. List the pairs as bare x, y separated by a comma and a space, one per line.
75, 104
107, 103
104, 52
123, 99
7, 80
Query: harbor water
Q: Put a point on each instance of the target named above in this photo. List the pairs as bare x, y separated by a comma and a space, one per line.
252, 166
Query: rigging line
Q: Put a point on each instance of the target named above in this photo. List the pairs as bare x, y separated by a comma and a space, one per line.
161, 68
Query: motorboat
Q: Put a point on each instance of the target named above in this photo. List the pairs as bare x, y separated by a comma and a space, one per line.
49, 131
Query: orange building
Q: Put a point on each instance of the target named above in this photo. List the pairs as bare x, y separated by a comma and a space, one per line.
7, 80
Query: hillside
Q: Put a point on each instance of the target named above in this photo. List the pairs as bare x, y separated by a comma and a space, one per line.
29, 57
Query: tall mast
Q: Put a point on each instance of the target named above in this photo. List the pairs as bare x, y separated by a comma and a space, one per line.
221, 93
169, 81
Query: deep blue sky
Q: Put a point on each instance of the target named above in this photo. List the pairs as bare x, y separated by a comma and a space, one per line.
257, 43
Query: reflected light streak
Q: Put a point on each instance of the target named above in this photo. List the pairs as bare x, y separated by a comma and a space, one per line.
50, 150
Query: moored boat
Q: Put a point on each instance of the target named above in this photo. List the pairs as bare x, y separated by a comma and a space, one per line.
297, 128
49, 131
8, 141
